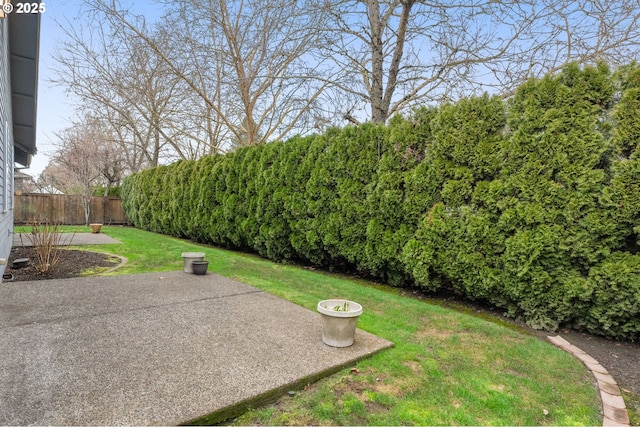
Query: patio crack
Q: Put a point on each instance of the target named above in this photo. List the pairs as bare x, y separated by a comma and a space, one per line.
60, 319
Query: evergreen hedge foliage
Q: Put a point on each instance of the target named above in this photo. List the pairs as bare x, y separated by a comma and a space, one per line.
531, 205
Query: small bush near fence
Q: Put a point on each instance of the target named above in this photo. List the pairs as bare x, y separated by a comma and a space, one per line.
531, 205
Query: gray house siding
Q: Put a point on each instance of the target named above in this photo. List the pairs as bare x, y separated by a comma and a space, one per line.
6, 148
19, 51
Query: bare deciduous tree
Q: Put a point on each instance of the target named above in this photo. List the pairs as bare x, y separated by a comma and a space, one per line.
86, 156
395, 53
214, 74
247, 62
115, 74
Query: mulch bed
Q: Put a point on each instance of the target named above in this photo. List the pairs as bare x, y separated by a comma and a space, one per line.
72, 264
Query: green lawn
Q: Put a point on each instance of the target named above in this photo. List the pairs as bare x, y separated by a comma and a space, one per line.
446, 368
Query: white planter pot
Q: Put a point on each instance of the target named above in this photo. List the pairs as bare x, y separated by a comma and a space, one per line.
339, 327
189, 257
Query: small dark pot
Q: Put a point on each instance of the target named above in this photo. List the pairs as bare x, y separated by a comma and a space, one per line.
20, 263
199, 267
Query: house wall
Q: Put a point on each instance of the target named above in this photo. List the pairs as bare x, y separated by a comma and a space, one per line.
6, 149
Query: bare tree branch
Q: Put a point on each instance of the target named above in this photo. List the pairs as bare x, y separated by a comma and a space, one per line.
393, 54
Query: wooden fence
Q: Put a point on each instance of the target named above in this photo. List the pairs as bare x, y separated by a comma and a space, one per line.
66, 209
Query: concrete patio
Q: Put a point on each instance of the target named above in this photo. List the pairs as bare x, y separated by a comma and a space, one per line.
155, 348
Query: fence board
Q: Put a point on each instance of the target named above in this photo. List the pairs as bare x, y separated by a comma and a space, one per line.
66, 209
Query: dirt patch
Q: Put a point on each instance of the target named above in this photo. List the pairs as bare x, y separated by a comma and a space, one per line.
415, 367
73, 263
433, 333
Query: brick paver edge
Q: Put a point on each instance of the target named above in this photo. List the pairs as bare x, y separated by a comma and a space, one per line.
613, 407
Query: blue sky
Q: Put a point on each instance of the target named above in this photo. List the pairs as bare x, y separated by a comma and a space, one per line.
55, 107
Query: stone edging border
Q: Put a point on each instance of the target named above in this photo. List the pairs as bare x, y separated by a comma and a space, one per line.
123, 261
613, 407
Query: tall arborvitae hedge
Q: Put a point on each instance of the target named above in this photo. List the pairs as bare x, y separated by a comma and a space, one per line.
532, 205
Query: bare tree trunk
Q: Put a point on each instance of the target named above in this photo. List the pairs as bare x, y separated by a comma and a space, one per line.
86, 205
378, 110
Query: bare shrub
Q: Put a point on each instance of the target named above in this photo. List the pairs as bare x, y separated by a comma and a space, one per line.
46, 240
